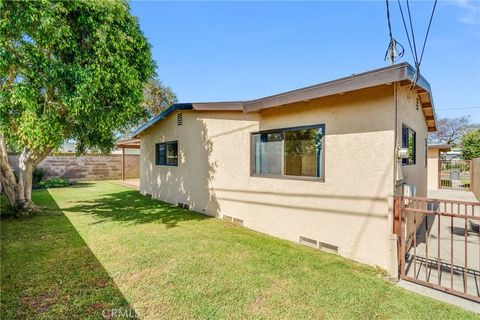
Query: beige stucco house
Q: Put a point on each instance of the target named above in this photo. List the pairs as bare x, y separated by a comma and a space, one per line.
317, 165
434, 151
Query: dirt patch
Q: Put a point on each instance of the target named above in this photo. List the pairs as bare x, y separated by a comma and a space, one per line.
42, 302
97, 308
257, 304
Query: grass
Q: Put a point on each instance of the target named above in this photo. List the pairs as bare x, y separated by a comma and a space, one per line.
102, 246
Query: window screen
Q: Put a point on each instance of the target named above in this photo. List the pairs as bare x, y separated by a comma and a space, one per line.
166, 153
289, 152
409, 140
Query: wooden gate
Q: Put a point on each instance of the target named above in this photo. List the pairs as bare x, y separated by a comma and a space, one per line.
454, 174
439, 244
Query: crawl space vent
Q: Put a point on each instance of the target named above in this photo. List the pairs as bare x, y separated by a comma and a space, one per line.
328, 247
238, 222
227, 218
179, 119
183, 205
309, 242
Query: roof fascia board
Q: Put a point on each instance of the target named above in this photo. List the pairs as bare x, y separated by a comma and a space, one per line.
219, 106
355, 82
162, 115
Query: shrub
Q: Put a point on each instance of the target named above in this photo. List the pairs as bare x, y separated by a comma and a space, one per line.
53, 183
471, 144
38, 175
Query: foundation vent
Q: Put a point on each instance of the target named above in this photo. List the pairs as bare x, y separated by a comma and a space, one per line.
179, 119
238, 222
183, 205
309, 242
328, 247
227, 218
148, 195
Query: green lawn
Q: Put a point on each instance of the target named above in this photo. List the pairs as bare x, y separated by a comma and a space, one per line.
103, 246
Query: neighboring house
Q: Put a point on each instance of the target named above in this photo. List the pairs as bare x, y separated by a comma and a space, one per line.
453, 154
435, 152
317, 165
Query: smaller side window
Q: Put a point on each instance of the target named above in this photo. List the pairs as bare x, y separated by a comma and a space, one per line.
166, 153
409, 140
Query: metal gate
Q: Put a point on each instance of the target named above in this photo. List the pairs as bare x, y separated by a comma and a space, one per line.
439, 244
454, 174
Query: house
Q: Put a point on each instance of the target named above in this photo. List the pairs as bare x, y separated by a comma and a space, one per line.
318, 165
434, 156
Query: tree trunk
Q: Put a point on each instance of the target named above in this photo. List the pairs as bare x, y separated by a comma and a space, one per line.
19, 189
24, 190
7, 178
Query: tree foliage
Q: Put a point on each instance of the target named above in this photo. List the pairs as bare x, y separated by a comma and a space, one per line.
450, 131
68, 70
157, 97
471, 144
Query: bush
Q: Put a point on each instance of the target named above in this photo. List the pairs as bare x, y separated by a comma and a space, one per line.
471, 144
53, 183
38, 175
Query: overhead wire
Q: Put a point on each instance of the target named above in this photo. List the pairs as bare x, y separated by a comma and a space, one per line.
406, 29
413, 33
413, 48
428, 30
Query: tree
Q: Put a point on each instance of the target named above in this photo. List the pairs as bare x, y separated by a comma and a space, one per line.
471, 144
157, 97
450, 131
68, 70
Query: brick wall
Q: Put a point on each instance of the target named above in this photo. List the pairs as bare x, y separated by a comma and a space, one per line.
88, 167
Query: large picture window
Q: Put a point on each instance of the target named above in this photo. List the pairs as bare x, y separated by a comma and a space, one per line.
166, 153
289, 152
409, 140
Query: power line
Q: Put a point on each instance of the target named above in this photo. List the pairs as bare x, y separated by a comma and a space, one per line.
413, 35
428, 30
413, 48
406, 29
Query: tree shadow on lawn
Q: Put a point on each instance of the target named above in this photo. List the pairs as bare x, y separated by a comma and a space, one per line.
48, 271
131, 206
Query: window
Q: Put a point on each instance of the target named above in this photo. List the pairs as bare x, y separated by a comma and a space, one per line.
166, 153
289, 152
409, 140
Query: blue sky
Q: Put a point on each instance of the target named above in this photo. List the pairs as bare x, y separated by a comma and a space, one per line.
221, 51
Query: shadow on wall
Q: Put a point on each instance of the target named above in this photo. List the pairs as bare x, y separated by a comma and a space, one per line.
130, 207
189, 182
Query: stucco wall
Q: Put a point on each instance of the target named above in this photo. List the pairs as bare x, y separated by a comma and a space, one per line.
476, 177
88, 167
410, 114
433, 158
352, 209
